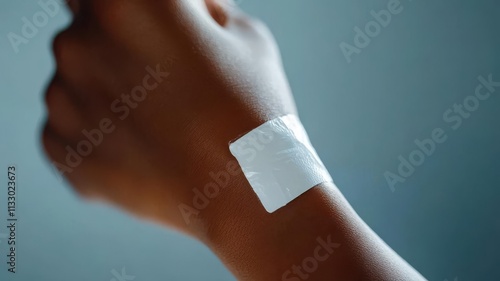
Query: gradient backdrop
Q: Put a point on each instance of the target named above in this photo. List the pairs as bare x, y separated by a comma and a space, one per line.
444, 219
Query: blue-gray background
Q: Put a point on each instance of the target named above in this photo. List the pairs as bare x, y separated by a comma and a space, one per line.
361, 116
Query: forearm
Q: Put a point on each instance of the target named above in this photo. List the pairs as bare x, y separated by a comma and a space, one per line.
318, 236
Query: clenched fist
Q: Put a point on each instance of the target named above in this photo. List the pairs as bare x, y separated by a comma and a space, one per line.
148, 94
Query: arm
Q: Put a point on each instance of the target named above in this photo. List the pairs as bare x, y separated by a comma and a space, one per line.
146, 97
318, 236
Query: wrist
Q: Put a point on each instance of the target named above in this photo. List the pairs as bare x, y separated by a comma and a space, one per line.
282, 143
262, 246
214, 180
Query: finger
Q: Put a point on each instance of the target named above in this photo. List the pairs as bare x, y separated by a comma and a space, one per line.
73, 6
64, 116
88, 65
66, 166
218, 9
53, 144
150, 29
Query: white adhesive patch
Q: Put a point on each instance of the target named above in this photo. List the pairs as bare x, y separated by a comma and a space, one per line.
279, 161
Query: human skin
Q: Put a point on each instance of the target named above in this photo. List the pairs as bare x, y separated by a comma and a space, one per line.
224, 79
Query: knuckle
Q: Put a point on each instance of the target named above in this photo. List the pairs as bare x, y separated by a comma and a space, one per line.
255, 25
107, 13
117, 15
48, 143
258, 25
53, 93
63, 117
262, 33
64, 46
57, 114
83, 192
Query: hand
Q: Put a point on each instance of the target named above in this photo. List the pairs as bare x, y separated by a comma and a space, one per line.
148, 94
146, 97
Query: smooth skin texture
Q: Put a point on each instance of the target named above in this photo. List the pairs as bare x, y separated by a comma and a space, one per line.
168, 84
